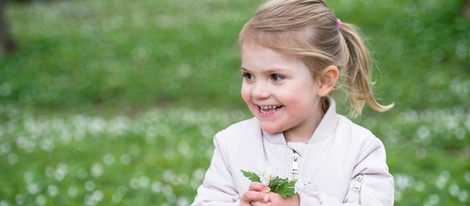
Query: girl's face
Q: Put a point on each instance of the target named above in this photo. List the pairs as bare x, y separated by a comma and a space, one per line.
280, 91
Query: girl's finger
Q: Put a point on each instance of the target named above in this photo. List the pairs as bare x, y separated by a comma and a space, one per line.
253, 196
256, 186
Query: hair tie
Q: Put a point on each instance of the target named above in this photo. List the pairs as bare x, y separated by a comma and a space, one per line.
338, 22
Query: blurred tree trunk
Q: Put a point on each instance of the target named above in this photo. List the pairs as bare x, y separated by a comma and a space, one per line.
7, 44
465, 8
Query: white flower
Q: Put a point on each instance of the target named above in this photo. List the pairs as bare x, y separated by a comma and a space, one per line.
267, 172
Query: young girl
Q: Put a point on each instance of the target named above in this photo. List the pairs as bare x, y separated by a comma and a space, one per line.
293, 53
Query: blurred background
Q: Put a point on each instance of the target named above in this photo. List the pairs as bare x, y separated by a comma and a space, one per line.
115, 102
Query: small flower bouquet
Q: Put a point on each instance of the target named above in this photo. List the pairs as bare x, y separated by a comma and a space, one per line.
281, 186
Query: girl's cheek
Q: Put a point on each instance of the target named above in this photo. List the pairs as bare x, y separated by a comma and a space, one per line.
246, 94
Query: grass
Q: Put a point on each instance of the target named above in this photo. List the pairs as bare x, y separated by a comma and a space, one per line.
156, 157
148, 53
114, 103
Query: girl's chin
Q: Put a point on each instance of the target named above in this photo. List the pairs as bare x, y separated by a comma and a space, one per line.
270, 128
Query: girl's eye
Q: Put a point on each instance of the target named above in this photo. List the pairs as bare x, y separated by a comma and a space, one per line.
248, 76
277, 77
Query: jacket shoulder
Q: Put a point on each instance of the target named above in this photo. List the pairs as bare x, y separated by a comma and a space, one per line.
363, 141
356, 131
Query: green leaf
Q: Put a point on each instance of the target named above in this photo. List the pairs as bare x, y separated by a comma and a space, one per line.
275, 183
251, 176
283, 187
287, 189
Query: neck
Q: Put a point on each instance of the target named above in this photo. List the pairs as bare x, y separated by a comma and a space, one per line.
303, 133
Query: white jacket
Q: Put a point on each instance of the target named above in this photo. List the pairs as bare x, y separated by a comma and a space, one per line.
344, 163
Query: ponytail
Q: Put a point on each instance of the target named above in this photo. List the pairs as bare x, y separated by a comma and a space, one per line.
359, 72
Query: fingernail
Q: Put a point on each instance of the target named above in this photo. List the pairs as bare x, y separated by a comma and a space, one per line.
265, 198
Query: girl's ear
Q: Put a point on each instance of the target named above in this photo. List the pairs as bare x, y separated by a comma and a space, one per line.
327, 81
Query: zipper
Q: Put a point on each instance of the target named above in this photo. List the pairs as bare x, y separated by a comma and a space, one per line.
295, 164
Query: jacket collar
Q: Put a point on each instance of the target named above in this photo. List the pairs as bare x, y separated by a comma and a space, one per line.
325, 128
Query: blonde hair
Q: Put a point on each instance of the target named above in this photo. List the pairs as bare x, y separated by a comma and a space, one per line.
309, 30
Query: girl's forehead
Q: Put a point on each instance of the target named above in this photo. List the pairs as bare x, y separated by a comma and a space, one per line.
260, 58
253, 51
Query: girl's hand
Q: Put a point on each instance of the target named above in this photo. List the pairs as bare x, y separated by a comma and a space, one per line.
277, 200
257, 193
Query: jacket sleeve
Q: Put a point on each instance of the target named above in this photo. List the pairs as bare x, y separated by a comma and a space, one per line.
217, 188
371, 184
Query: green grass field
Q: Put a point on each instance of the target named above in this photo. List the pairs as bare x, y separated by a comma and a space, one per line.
116, 103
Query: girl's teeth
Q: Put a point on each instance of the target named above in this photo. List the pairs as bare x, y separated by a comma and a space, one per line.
268, 109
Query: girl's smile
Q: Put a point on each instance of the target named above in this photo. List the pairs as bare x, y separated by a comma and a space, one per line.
269, 109
280, 91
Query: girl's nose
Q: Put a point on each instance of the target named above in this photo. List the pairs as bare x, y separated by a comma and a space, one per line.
260, 91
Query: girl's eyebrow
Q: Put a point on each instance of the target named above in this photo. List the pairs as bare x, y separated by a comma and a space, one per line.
268, 71
271, 71
244, 70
